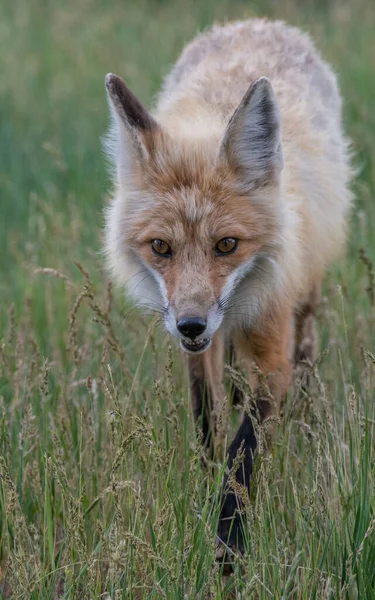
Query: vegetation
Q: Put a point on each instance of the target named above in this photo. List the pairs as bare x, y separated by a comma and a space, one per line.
102, 489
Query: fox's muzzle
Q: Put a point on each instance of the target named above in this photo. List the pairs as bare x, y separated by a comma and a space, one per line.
191, 327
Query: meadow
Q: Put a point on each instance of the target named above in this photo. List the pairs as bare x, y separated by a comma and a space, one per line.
102, 490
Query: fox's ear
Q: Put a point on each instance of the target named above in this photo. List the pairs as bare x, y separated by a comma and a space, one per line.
252, 140
132, 123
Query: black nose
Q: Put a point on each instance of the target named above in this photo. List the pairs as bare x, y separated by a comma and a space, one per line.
191, 327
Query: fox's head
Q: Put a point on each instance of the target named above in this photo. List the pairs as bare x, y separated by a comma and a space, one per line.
194, 228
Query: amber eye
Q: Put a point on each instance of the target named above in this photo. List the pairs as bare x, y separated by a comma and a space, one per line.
226, 246
161, 248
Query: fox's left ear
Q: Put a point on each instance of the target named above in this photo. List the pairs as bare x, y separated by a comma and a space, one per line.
252, 140
132, 125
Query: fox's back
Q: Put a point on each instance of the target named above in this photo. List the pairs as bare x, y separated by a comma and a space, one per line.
219, 65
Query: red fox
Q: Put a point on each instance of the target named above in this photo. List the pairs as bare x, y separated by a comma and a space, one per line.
230, 200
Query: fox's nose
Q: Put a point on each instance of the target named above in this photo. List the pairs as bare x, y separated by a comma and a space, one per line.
191, 327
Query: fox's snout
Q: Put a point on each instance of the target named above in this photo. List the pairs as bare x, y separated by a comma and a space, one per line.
194, 328
191, 327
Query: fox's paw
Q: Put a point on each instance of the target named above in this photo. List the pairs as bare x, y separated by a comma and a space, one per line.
229, 542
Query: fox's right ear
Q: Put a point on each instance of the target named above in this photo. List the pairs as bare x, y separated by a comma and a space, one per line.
252, 140
132, 124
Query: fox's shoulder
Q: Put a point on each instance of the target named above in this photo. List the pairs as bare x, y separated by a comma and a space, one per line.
219, 64
277, 36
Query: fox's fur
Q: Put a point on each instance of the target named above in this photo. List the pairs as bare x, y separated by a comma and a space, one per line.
245, 142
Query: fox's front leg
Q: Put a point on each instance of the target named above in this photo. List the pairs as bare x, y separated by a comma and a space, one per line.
207, 391
270, 351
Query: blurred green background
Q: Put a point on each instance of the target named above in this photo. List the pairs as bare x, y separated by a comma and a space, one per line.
53, 59
61, 435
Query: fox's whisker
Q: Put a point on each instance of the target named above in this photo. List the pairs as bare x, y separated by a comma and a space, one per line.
135, 275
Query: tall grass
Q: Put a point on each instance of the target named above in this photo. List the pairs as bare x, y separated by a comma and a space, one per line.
102, 489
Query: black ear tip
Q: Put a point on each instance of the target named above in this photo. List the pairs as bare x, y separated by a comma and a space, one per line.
263, 83
113, 82
263, 80
108, 80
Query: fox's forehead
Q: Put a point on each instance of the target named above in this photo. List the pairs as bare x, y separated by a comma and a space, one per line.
186, 214
190, 214
187, 193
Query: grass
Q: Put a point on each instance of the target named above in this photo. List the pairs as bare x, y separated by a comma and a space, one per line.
102, 492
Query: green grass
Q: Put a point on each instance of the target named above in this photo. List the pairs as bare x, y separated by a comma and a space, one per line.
102, 492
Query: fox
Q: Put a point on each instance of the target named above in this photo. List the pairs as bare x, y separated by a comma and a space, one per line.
231, 197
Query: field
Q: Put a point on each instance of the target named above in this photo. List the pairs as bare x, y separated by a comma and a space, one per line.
102, 491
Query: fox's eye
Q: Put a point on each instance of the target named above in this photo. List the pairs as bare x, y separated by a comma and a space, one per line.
161, 248
226, 246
